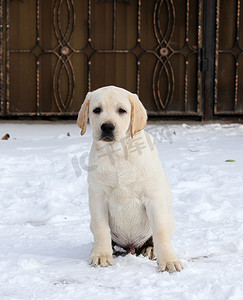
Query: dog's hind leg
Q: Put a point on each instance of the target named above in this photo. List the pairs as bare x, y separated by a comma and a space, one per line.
149, 252
148, 249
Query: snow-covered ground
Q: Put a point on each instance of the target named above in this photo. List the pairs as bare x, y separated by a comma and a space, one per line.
45, 240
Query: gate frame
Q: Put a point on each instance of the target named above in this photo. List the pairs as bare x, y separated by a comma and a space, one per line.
208, 57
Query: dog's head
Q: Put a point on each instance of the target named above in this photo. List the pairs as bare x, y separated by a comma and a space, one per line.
113, 113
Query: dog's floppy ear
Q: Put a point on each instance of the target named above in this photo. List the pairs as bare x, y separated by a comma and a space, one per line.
138, 115
83, 114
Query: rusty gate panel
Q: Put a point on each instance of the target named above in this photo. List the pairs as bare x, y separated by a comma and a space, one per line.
47, 62
172, 44
57, 50
228, 89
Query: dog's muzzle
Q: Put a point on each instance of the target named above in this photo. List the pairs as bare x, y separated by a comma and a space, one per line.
107, 132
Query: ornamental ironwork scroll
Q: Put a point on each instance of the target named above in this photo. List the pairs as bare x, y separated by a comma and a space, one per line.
165, 51
63, 51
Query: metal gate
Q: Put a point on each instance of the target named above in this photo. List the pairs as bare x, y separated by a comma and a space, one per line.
182, 57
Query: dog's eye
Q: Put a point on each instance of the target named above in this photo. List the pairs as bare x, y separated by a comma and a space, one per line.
97, 110
121, 111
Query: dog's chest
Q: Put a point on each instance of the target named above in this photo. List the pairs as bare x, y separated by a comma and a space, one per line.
119, 177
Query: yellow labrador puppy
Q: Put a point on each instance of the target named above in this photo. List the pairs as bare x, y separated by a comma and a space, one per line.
129, 194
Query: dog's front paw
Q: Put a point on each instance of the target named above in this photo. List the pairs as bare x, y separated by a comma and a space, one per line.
103, 260
170, 265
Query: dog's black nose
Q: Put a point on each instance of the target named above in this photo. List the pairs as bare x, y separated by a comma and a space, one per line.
107, 127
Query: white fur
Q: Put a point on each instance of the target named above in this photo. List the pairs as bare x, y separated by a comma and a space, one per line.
129, 194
